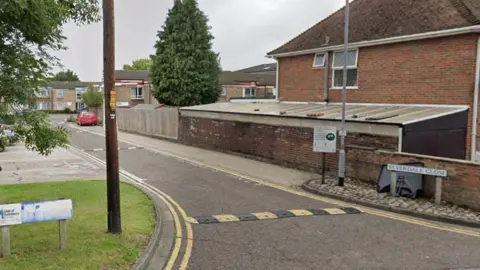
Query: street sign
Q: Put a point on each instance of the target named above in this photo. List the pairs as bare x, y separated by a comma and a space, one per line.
46, 211
325, 139
10, 214
417, 170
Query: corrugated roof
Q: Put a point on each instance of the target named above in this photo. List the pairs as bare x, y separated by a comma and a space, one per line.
371, 113
380, 19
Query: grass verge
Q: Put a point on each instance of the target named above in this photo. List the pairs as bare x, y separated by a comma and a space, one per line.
36, 246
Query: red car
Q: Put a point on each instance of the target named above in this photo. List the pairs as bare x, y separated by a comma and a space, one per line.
87, 118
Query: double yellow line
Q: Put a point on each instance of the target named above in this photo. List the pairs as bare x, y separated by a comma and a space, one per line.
173, 207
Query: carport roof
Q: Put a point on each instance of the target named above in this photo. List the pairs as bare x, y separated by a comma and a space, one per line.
398, 114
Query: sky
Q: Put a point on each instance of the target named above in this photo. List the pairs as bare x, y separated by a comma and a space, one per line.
244, 31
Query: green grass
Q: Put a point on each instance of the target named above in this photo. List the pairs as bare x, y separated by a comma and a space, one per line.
36, 246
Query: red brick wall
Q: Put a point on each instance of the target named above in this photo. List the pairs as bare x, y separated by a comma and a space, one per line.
292, 147
435, 71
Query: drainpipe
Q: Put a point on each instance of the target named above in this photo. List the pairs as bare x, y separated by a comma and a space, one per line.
277, 94
475, 104
325, 91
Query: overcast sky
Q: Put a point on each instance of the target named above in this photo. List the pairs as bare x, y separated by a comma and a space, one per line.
244, 30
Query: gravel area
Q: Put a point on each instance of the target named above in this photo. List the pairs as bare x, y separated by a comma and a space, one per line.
368, 193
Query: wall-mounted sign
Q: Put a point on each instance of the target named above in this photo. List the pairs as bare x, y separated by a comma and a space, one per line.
325, 139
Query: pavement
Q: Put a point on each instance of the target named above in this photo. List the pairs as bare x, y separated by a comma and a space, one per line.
20, 165
202, 183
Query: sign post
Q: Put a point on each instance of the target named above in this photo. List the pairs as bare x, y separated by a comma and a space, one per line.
25, 213
324, 141
439, 174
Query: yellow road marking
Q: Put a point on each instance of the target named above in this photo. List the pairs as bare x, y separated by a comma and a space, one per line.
311, 196
335, 211
191, 220
300, 212
226, 218
265, 215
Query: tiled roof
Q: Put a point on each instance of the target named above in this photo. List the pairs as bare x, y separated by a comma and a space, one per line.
380, 19
68, 85
233, 78
132, 75
260, 68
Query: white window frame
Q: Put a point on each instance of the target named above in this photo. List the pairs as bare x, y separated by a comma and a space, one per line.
250, 88
341, 68
323, 62
41, 92
137, 96
224, 92
57, 93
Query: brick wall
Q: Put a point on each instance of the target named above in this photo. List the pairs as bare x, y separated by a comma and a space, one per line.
292, 147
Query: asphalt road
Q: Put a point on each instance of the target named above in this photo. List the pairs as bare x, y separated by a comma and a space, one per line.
359, 241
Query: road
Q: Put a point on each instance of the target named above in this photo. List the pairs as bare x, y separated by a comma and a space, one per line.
350, 241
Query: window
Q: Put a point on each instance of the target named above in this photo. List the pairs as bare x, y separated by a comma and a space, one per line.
248, 92
59, 93
224, 92
319, 60
352, 69
44, 106
42, 92
137, 93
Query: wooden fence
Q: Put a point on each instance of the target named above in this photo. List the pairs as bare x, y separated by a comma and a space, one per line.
161, 122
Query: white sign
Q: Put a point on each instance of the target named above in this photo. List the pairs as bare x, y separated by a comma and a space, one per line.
10, 214
122, 104
325, 139
46, 211
417, 170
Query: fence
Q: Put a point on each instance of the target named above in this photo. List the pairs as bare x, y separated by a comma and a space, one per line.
161, 122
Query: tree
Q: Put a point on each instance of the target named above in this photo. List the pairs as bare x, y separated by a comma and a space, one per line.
185, 69
66, 76
139, 64
29, 32
93, 98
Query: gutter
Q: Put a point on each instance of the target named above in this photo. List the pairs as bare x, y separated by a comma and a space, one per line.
398, 39
473, 150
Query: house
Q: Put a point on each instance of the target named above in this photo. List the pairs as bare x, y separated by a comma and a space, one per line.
400, 52
58, 96
133, 87
239, 85
270, 68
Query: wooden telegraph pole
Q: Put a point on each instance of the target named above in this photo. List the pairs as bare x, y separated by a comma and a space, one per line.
110, 121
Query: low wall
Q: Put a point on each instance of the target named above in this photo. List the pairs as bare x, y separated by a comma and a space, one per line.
161, 122
292, 146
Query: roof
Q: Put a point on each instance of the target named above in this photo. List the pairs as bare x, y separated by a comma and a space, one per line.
369, 113
233, 78
380, 19
132, 75
271, 67
68, 85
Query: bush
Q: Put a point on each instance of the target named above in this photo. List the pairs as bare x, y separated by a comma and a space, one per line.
67, 110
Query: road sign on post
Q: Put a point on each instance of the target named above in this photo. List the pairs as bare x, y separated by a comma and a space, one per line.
325, 139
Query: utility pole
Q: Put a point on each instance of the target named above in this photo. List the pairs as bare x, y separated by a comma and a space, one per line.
110, 121
343, 130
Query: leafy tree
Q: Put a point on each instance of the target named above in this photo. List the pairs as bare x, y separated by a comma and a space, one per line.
185, 69
139, 64
66, 76
30, 31
93, 98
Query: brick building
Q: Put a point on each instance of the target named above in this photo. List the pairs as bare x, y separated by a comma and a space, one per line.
133, 88
58, 96
413, 83
400, 52
247, 85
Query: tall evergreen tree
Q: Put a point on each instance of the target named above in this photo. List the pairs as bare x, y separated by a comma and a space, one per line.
185, 69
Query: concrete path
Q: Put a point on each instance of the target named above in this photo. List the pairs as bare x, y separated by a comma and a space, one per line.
20, 165
203, 183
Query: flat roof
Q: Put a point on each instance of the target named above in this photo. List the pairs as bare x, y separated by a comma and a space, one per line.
399, 114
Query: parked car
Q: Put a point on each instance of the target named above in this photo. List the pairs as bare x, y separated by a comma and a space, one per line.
86, 118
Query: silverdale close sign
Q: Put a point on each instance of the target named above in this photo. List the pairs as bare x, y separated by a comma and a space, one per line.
417, 170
